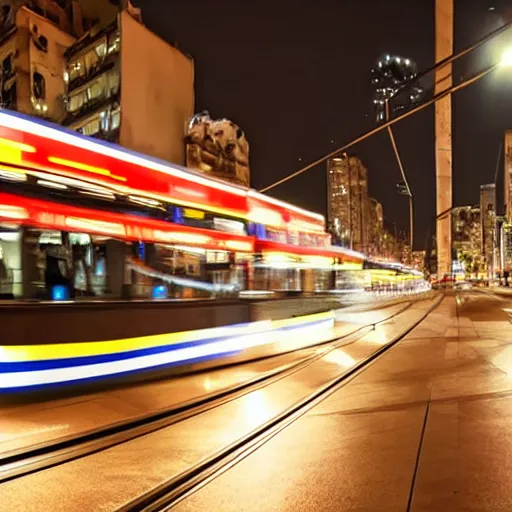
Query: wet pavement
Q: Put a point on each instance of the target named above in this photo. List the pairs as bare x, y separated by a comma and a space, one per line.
24, 425
428, 427
111, 478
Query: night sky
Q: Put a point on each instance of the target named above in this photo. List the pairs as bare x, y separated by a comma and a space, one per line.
296, 77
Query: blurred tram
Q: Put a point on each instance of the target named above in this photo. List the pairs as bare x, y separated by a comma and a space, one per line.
82, 217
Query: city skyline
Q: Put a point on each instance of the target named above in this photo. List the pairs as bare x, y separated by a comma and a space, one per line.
277, 120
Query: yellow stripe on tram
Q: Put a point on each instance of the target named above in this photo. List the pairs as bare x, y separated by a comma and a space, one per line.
20, 353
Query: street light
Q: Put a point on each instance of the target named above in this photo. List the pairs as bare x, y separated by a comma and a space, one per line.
506, 59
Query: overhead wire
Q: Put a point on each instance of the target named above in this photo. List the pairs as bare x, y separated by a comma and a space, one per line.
384, 126
455, 56
416, 109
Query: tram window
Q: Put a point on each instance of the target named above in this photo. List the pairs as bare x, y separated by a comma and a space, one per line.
10, 263
206, 220
180, 269
293, 239
74, 261
277, 279
229, 226
276, 235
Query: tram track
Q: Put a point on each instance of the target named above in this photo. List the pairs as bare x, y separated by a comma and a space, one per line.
17, 463
170, 493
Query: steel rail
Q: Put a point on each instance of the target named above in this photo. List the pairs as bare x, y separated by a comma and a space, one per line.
176, 489
17, 463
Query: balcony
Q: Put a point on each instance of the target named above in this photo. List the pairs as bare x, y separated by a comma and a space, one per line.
90, 108
98, 69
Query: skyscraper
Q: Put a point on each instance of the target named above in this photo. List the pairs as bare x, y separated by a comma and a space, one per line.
375, 227
488, 224
347, 199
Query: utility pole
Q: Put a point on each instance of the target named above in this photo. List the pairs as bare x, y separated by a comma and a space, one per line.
443, 136
404, 177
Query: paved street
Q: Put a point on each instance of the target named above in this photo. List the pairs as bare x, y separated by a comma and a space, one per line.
427, 427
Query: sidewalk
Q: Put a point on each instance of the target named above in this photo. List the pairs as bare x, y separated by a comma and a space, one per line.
428, 427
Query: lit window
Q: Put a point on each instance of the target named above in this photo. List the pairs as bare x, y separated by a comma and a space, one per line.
101, 49
114, 42
94, 57
91, 128
94, 91
116, 119
113, 82
76, 102
75, 71
104, 120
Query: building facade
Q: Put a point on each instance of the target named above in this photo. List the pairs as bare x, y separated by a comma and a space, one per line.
33, 38
117, 88
347, 202
93, 66
375, 227
467, 239
505, 247
507, 174
488, 226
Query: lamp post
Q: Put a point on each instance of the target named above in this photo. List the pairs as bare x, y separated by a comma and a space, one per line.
404, 177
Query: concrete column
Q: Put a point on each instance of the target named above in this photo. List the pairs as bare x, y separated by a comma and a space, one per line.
443, 136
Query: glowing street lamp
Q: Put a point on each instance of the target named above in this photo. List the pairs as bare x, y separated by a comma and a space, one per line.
506, 59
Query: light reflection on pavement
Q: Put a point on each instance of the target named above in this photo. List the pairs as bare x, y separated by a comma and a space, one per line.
358, 449
145, 462
28, 424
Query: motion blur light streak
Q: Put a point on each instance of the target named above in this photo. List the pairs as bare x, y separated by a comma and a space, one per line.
236, 245
84, 167
267, 217
52, 184
13, 212
277, 202
42, 369
7, 143
183, 238
24, 353
95, 226
24, 124
189, 192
